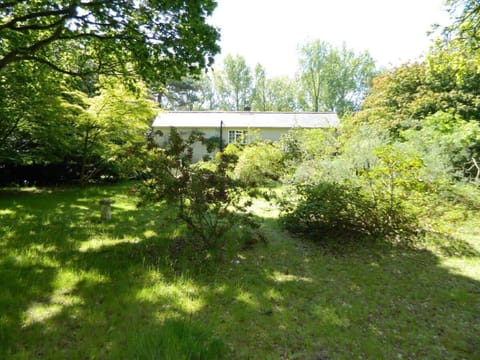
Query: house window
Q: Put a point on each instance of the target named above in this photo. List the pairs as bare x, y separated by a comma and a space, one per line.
237, 136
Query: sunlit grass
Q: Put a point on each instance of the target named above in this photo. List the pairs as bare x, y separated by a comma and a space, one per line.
69, 281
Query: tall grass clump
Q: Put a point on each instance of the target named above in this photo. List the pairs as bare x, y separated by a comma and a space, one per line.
176, 340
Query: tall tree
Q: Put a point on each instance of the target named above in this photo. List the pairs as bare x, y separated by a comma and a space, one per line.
333, 79
259, 96
466, 21
207, 92
282, 94
234, 83
184, 94
189, 94
157, 39
312, 65
273, 94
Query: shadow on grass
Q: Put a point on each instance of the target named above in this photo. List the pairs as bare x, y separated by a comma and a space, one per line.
73, 287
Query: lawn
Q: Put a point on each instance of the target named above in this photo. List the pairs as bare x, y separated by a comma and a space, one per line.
73, 287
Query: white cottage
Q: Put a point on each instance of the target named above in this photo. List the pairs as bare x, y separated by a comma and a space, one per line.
238, 126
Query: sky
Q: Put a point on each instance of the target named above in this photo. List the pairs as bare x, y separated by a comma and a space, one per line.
269, 32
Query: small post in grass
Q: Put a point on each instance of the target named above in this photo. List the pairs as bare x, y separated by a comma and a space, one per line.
106, 209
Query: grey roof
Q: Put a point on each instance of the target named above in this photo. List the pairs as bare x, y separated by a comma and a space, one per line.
245, 119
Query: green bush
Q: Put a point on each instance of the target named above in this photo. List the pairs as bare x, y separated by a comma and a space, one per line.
326, 209
206, 199
259, 164
447, 144
378, 198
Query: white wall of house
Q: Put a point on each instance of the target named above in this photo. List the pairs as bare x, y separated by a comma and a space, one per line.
199, 150
257, 125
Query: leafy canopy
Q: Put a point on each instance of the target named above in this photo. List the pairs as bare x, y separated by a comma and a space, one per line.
158, 39
333, 79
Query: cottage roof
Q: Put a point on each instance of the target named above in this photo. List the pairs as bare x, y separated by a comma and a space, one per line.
245, 119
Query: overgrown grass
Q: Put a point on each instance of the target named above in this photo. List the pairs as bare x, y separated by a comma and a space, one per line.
74, 287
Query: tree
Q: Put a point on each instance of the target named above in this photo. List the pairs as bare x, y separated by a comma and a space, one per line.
333, 79
272, 94
281, 94
192, 93
259, 96
260, 164
402, 97
234, 84
154, 38
182, 94
34, 112
393, 98
311, 67
207, 92
114, 124
465, 25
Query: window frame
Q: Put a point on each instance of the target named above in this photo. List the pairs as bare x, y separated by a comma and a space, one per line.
237, 136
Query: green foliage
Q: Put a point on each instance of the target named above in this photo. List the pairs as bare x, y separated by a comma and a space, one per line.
463, 32
305, 144
234, 84
36, 115
374, 202
392, 185
327, 209
112, 129
281, 94
233, 149
176, 340
259, 164
305, 149
333, 79
156, 39
402, 97
446, 144
376, 183
206, 200
273, 94
259, 95
329, 79
184, 95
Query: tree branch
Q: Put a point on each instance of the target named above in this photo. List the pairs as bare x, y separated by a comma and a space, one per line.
57, 68
6, 4
68, 12
37, 26
8, 132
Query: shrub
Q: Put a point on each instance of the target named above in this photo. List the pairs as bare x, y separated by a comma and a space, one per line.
326, 209
259, 164
376, 200
446, 144
205, 199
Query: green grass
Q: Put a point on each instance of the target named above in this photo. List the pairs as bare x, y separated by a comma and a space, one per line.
74, 287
